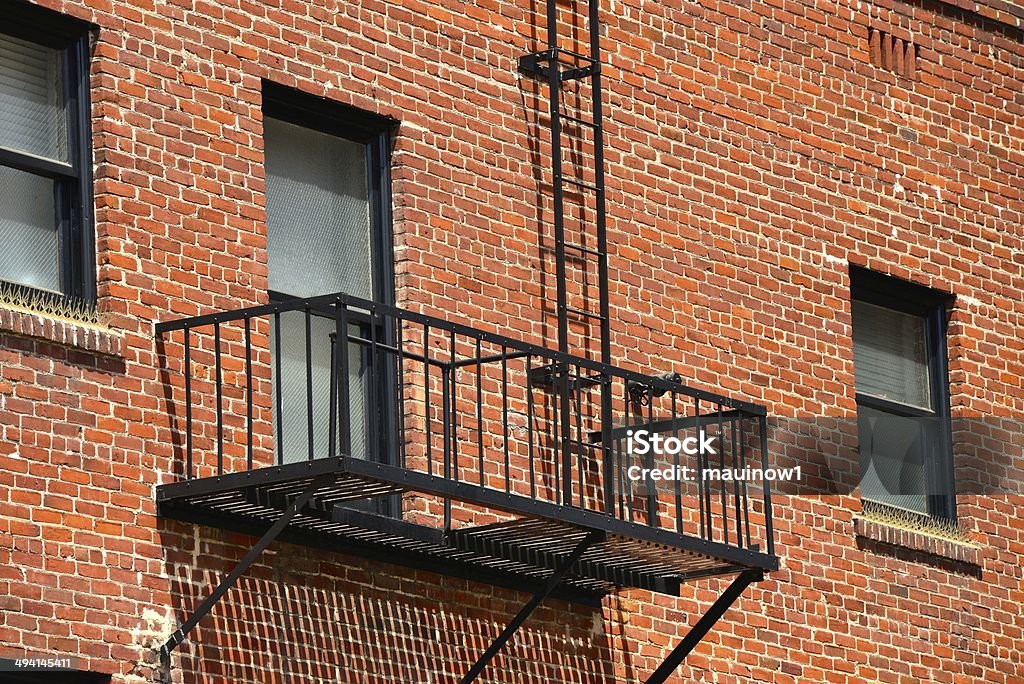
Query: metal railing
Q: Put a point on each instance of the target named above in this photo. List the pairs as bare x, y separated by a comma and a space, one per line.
271, 384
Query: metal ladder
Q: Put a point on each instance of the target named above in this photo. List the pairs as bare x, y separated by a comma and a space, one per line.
578, 185
579, 215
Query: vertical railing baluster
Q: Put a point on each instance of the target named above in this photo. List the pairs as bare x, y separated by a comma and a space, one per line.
309, 382
479, 413
374, 435
188, 404
453, 398
278, 383
607, 451
652, 494
721, 468
746, 493
504, 413
620, 479
767, 486
679, 479
248, 394
564, 406
577, 380
446, 441
700, 473
220, 392
556, 434
400, 387
625, 456
736, 481
426, 398
341, 347
332, 397
529, 427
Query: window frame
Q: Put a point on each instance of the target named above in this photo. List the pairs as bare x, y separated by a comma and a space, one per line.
376, 133
932, 306
73, 203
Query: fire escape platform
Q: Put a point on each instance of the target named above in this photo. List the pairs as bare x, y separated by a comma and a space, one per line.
520, 552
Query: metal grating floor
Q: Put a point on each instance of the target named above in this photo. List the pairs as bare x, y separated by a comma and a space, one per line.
521, 552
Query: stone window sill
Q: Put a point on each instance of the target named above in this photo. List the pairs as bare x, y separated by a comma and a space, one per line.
916, 540
65, 332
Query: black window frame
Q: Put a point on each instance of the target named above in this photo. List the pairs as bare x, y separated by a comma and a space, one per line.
376, 133
73, 181
357, 125
933, 307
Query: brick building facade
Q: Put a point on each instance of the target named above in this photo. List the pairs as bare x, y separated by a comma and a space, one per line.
760, 157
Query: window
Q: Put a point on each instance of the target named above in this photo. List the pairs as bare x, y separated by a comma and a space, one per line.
45, 174
899, 346
328, 231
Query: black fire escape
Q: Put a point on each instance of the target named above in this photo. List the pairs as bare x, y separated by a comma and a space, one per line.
416, 408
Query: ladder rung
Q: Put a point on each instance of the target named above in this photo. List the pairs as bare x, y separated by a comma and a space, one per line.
580, 184
587, 314
576, 55
576, 119
581, 248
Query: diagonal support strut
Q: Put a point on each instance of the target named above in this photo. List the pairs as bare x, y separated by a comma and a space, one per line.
243, 565
704, 625
513, 626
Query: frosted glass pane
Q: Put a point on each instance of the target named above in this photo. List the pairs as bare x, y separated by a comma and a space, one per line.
318, 218
292, 434
32, 117
28, 230
893, 452
889, 355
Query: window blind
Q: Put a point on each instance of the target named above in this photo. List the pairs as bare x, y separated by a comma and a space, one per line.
890, 356
32, 116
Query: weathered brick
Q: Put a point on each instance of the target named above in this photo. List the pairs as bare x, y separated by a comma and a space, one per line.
753, 151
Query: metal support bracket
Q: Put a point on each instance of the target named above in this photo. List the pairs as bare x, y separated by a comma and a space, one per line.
555, 376
513, 626
243, 565
704, 625
539, 64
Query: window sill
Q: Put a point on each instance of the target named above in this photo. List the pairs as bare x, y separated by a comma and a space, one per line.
65, 332
890, 535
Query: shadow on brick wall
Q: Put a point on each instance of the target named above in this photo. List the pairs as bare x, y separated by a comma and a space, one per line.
301, 615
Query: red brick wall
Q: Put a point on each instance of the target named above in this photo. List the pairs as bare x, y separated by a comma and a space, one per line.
753, 152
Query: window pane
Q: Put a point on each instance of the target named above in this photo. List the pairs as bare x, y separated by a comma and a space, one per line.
890, 358
893, 453
28, 230
318, 218
32, 117
292, 435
